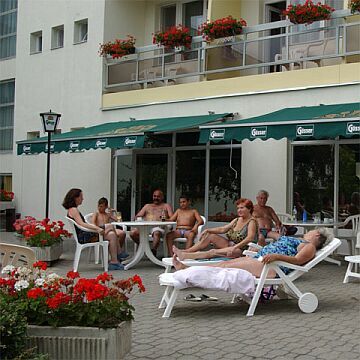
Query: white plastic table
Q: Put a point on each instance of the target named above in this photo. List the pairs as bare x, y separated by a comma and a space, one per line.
144, 245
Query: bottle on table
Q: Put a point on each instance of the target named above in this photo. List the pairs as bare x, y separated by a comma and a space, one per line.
294, 213
304, 216
163, 215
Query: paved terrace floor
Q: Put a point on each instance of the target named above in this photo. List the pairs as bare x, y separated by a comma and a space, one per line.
220, 330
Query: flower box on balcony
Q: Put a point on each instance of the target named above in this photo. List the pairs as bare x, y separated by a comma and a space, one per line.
176, 36
81, 343
119, 48
308, 12
354, 6
227, 27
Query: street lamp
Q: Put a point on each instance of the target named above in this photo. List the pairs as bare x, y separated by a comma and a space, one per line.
50, 121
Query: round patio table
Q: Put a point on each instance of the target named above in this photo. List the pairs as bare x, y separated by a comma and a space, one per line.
144, 246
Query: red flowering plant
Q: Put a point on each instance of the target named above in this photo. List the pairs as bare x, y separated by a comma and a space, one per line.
118, 48
43, 233
176, 36
49, 299
354, 6
19, 224
308, 12
6, 195
227, 26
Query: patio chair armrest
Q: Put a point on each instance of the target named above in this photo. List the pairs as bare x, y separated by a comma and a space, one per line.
288, 265
249, 253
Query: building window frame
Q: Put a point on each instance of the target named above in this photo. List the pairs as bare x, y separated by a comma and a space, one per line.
10, 105
57, 37
81, 30
36, 42
8, 36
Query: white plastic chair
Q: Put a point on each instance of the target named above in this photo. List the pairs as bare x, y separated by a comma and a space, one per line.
307, 302
353, 261
197, 237
96, 245
350, 234
16, 255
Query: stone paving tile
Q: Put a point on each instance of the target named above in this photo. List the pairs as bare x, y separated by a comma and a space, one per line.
221, 330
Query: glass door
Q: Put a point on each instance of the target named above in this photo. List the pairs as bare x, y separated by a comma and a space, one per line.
151, 174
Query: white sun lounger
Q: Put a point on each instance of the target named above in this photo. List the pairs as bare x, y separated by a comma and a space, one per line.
307, 302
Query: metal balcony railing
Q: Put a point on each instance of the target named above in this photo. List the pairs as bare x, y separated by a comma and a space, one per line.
264, 48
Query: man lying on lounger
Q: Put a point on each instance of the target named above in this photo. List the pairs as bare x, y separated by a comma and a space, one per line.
289, 249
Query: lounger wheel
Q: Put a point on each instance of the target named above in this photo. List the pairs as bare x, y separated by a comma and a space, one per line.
308, 303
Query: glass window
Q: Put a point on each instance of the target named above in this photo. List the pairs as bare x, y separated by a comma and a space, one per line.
187, 139
8, 20
156, 141
314, 179
6, 182
190, 177
193, 16
7, 93
168, 17
124, 176
57, 37
80, 31
224, 184
36, 42
349, 180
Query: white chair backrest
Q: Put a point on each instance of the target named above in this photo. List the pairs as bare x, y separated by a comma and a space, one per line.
88, 218
16, 255
201, 227
355, 223
323, 253
73, 225
283, 216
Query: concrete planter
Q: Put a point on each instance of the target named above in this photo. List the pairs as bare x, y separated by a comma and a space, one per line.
81, 343
48, 253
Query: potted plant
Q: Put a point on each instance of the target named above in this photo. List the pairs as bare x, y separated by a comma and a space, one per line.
118, 48
354, 6
6, 195
308, 12
19, 224
176, 37
83, 318
221, 28
44, 237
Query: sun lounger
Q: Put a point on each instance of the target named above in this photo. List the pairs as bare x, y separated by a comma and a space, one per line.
307, 302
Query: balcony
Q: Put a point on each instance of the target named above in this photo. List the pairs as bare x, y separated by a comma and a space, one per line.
261, 49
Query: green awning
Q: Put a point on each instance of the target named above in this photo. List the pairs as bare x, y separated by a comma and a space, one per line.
301, 123
115, 135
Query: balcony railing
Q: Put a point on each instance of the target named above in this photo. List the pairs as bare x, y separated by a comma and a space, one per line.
264, 48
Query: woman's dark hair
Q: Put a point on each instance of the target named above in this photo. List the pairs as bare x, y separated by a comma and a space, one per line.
69, 200
247, 203
103, 201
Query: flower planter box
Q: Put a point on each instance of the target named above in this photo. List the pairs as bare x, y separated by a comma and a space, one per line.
48, 253
75, 342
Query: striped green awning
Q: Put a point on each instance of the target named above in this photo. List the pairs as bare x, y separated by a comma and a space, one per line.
114, 135
301, 123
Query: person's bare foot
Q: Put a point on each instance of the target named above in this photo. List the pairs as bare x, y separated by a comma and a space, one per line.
177, 264
178, 253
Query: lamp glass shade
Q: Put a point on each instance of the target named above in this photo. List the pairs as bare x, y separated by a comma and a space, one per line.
50, 121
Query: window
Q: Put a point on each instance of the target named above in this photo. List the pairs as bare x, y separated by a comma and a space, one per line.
7, 95
5, 182
8, 19
80, 31
313, 178
33, 135
193, 16
36, 42
224, 184
57, 37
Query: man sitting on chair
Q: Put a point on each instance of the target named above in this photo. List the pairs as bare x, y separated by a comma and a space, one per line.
187, 223
153, 212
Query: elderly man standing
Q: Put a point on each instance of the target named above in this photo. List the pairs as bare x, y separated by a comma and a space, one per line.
265, 216
154, 212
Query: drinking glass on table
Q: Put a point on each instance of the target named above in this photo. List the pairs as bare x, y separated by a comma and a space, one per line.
118, 216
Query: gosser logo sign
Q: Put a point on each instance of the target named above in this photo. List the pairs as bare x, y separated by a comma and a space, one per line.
100, 143
74, 145
130, 141
27, 149
52, 146
217, 134
258, 132
353, 128
304, 130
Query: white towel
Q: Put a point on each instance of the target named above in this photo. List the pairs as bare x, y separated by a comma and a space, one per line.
236, 281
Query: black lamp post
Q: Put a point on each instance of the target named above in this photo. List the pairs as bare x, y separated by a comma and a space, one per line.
50, 121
